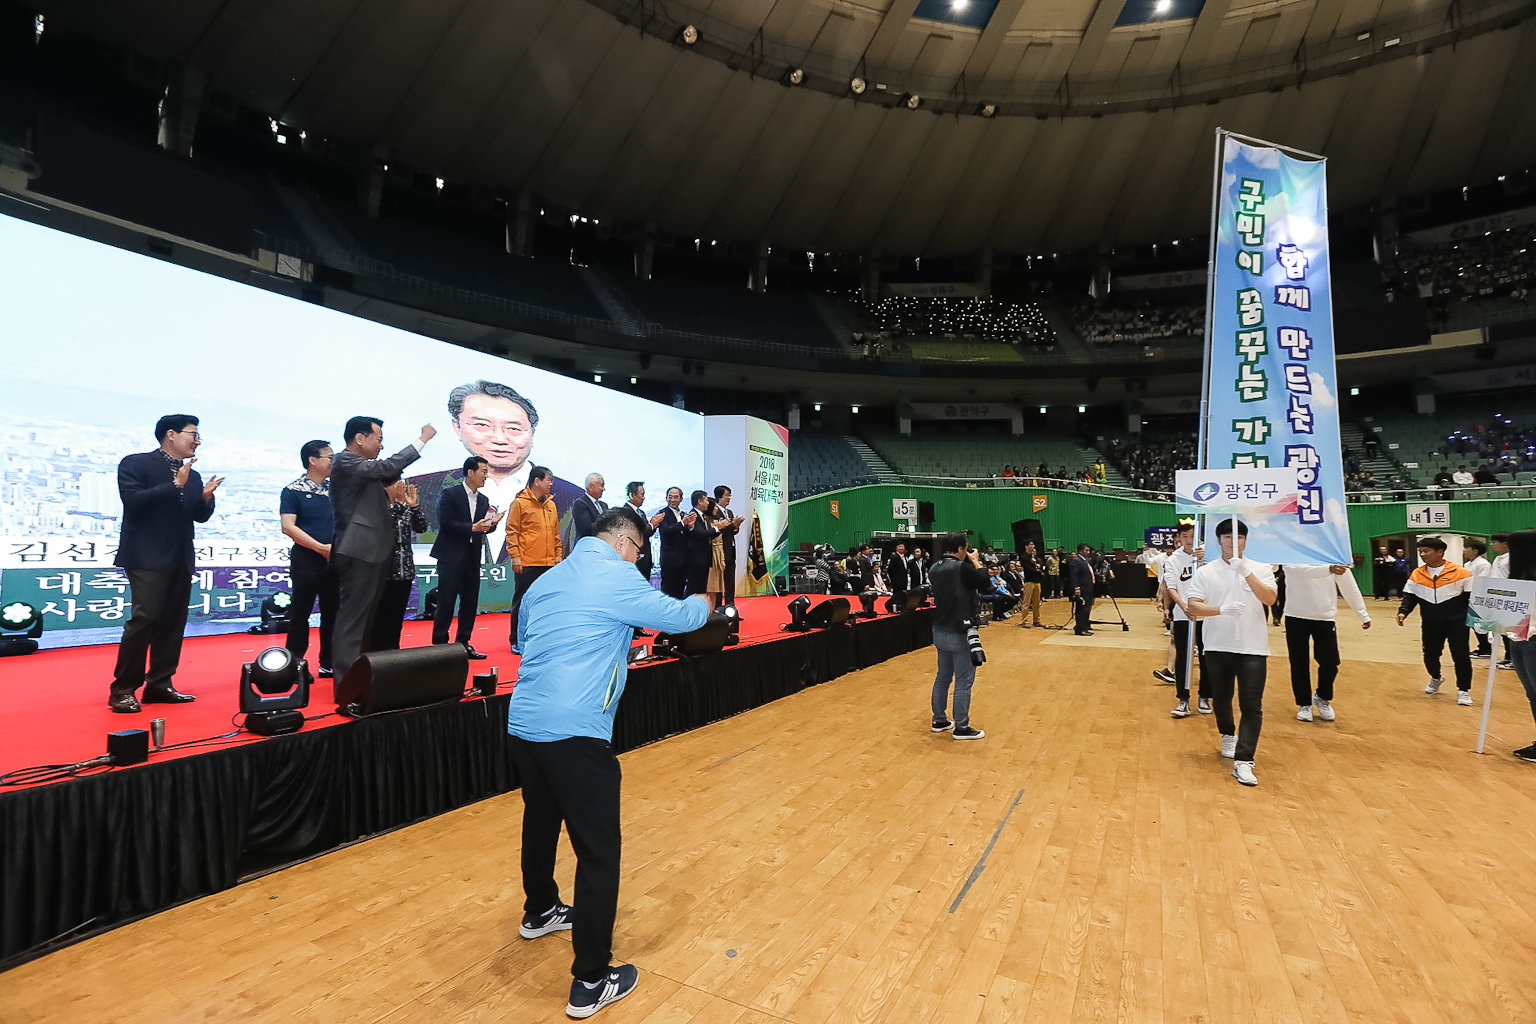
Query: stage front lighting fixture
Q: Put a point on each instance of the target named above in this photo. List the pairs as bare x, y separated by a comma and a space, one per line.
831, 612
911, 100
906, 601
274, 614
708, 638
689, 35
797, 610
733, 622
273, 690
867, 600
858, 85
793, 76
20, 626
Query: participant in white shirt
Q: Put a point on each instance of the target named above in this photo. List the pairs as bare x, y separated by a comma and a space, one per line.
1478, 565
1311, 606
1178, 572
1500, 571
1462, 478
1233, 596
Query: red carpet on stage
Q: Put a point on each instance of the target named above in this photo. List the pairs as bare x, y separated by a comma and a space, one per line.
55, 701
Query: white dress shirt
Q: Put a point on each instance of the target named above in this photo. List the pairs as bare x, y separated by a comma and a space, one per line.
500, 494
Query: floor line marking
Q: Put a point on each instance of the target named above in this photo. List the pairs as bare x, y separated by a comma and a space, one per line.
982, 863
738, 753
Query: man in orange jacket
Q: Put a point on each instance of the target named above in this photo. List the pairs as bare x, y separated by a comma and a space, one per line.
533, 536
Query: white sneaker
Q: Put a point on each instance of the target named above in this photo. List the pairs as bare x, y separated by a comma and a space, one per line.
1182, 711
1463, 696
1229, 746
1204, 707
1433, 686
1242, 771
1304, 714
1324, 708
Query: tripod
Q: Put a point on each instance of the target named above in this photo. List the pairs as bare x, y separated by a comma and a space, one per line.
1124, 626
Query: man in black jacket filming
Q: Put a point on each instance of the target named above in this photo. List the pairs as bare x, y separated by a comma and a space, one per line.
954, 579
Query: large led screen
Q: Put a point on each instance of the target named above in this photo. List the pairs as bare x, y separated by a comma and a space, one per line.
98, 343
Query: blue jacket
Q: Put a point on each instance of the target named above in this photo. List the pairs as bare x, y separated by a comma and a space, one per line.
576, 625
158, 517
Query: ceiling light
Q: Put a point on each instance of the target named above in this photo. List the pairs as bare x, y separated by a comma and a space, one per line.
689, 35
439, 184
958, 5
1362, 37
597, 378
1082, 408
793, 76
855, 410
1042, 409
634, 380
818, 407
858, 85
987, 110
911, 100
1163, 6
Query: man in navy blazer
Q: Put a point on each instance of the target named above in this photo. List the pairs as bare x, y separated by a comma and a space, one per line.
1081, 578
588, 509
163, 497
460, 550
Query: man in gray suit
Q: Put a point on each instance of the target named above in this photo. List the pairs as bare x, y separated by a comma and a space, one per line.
365, 530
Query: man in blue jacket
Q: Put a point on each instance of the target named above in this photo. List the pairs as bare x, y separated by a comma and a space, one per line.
163, 498
576, 624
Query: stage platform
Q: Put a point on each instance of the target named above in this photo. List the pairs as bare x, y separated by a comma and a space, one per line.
82, 854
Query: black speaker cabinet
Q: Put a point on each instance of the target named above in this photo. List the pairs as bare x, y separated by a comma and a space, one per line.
1026, 530
410, 678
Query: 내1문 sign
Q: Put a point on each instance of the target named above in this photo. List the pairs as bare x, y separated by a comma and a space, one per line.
1502, 607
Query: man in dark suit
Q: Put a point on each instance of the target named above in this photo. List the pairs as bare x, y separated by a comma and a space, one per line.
1080, 581
897, 572
163, 497
634, 507
728, 532
674, 527
699, 543
365, 531
588, 508
464, 517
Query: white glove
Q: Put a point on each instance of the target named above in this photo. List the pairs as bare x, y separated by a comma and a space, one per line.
1232, 608
1241, 567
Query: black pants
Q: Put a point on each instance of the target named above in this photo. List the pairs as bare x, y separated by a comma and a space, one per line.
359, 584
1084, 610
459, 581
1245, 673
389, 618
1437, 633
575, 781
1181, 660
155, 628
522, 581
1484, 647
312, 577
674, 580
1323, 637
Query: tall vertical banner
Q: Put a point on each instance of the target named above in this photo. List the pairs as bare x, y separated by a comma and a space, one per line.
1270, 388
751, 457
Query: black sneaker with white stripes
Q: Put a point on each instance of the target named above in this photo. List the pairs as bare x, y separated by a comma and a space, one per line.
556, 919
588, 998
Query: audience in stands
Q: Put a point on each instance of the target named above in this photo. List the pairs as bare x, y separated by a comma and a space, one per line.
1139, 319
1501, 264
971, 319
1149, 464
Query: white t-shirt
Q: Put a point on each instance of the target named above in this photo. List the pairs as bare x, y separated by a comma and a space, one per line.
1479, 567
1216, 584
1501, 567
1312, 592
1178, 570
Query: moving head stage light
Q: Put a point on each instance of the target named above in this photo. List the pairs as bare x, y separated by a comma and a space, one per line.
274, 614
721, 629
907, 600
273, 690
20, 626
831, 612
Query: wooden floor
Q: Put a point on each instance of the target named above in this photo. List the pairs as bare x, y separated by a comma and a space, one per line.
805, 862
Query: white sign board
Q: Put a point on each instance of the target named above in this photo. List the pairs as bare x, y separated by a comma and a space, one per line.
903, 508
1433, 516
1502, 606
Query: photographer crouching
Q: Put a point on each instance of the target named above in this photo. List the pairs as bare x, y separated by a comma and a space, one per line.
955, 580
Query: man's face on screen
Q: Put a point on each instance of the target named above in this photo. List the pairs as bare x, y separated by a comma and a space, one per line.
496, 429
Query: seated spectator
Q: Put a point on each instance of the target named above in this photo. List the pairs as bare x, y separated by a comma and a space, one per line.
1462, 478
1486, 473
1443, 478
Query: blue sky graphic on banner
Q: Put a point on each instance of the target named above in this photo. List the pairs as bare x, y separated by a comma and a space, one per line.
1272, 392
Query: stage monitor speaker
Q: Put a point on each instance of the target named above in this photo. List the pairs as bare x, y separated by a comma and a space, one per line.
410, 678
906, 600
831, 612
129, 746
708, 638
1026, 530
925, 514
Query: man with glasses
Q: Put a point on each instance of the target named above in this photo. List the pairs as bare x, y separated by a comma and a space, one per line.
163, 500
304, 507
496, 423
576, 625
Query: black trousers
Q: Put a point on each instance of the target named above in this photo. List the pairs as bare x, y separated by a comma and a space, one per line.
360, 584
312, 577
155, 627
575, 781
674, 580
389, 618
457, 581
1437, 634
521, 581
1323, 636
1084, 612
1181, 658
1245, 673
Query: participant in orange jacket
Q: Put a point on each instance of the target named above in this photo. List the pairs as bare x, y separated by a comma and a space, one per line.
1441, 590
533, 536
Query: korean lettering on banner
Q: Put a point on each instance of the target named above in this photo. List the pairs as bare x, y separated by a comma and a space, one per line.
100, 598
1271, 392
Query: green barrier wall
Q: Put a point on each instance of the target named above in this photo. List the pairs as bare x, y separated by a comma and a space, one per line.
1070, 517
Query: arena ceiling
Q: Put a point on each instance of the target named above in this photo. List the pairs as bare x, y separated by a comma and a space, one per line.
1101, 132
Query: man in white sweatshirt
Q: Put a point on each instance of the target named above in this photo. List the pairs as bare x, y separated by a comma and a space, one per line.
1311, 606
